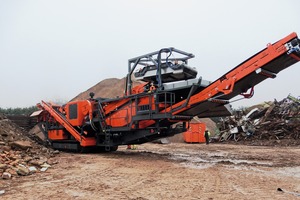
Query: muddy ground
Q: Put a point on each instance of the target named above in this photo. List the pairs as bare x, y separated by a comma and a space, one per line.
171, 171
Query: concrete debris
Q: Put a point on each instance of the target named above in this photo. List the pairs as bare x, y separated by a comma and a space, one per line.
20, 155
21, 144
43, 169
32, 169
22, 170
5, 148
6, 175
3, 166
56, 152
2, 192
272, 121
12, 171
45, 165
37, 162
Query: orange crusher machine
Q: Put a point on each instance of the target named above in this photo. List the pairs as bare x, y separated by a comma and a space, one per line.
169, 96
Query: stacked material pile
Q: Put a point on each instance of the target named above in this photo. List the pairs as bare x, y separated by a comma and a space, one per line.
267, 124
19, 155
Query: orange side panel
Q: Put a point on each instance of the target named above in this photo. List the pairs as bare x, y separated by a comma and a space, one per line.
195, 134
88, 141
120, 118
138, 89
124, 115
57, 135
64, 122
112, 106
61, 135
82, 108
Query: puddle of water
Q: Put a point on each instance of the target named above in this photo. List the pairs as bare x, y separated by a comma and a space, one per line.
197, 166
248, 162
216, 154
188, 158
194, 161
202, 161
180, 155
193, 158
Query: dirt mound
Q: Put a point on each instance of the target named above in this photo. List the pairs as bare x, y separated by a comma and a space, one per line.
108, 88
20, 155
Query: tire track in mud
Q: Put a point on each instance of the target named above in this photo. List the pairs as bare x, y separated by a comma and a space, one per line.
162, 172
199, 161
202, 159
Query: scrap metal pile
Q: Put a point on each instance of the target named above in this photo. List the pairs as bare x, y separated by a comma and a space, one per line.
270, 123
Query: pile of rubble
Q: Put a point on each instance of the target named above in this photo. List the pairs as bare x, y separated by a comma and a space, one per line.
271, 123
19, 155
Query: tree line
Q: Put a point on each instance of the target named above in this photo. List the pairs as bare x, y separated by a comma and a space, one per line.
18, 111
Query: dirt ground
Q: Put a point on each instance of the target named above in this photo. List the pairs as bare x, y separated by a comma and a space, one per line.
170, 171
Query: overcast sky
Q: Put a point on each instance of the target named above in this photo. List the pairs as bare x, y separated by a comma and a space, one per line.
53, 50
